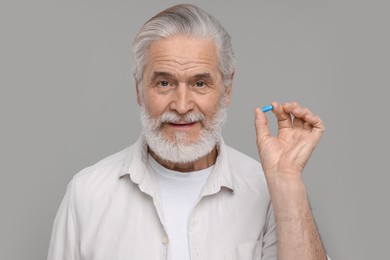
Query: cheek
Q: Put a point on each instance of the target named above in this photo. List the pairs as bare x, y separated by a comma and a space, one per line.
210, 112
213, 104
155, 105
154, 110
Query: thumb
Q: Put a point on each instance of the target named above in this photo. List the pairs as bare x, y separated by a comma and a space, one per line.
261, 125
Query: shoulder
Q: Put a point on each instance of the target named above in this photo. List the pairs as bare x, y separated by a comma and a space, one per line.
108, 165
102, 175
242, 162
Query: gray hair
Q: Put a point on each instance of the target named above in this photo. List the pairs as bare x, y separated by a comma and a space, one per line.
186, 20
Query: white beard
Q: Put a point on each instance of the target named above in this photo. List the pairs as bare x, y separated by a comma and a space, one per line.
180, 150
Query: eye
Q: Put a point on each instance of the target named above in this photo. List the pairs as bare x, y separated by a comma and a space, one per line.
200, 84
163, 83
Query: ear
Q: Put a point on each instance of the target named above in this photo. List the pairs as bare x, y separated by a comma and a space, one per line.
228, 90
138, 93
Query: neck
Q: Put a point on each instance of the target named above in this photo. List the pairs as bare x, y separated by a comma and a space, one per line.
199, 164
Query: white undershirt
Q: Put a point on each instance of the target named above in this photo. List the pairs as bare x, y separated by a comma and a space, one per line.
179, 192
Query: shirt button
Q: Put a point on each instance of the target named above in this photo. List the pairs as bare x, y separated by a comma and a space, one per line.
165, 240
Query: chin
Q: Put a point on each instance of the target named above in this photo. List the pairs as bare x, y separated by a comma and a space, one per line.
181, 137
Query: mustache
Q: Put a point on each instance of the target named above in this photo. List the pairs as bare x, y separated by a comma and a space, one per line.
172, 117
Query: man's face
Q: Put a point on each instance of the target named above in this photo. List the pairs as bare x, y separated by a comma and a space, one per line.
182, 76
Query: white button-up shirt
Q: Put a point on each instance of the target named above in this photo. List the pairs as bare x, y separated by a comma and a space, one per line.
112, 210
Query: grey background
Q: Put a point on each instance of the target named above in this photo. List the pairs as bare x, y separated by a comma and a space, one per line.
68, 100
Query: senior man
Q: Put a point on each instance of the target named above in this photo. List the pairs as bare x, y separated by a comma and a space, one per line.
180, 192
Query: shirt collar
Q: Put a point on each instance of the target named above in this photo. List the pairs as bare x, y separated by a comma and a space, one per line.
135, 165
135, 160
222, 174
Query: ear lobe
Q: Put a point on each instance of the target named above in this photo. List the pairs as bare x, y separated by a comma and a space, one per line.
228, 91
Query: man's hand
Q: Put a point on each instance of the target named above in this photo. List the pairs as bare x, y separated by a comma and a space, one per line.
288, 151
283, 159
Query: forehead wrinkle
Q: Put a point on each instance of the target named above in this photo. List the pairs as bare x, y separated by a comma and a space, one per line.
181, 61
182, 64
183, 57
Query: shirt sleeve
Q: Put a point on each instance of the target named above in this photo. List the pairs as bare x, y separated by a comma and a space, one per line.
64, 239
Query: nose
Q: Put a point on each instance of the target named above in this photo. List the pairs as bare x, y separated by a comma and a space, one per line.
182, 101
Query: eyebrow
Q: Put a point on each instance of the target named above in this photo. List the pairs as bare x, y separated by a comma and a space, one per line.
206, 76
164, 74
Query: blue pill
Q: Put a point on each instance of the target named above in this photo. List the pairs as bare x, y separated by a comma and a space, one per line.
267, 108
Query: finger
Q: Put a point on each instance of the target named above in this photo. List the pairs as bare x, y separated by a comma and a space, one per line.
310, 121
283, 117
261, 125
288, 107
307, 126
316, 124
299, 114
